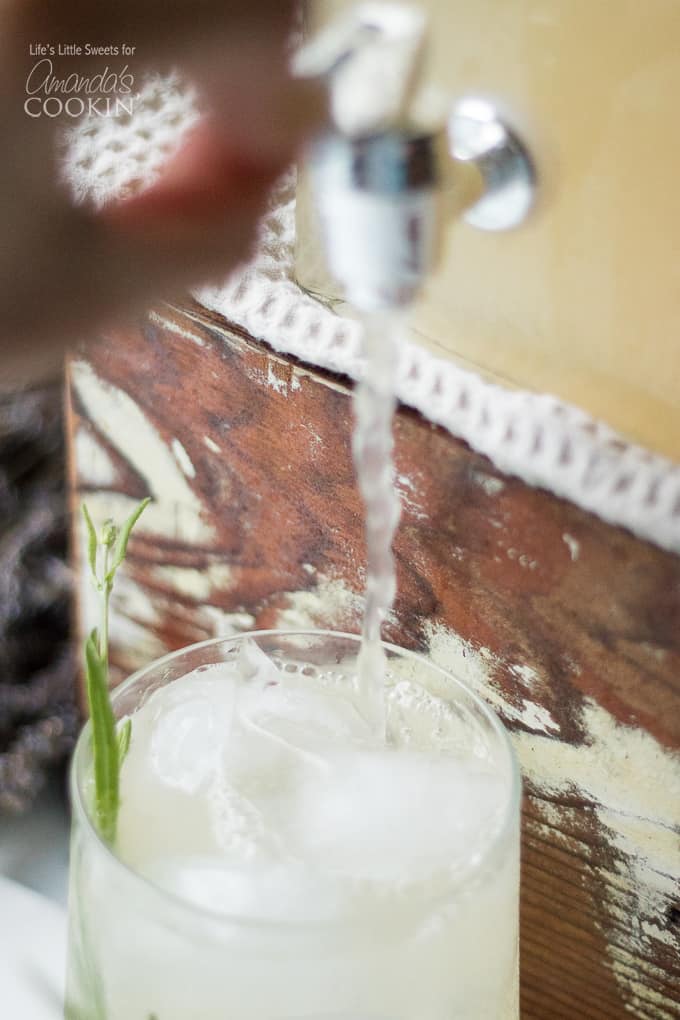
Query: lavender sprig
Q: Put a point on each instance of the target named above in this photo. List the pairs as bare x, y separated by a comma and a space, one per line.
105, 552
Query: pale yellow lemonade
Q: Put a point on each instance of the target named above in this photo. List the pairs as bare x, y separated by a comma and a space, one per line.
277, 859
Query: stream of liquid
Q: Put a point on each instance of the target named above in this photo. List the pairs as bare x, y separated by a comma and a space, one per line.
252, 792
372, 444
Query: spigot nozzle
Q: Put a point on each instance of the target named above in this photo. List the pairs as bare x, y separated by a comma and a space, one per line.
388, 169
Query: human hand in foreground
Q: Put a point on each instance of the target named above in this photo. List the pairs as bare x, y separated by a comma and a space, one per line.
66, 270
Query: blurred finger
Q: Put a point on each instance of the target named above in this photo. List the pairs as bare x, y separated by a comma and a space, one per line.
198, 222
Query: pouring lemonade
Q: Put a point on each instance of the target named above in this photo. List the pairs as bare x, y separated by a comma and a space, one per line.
297, 826
275, 858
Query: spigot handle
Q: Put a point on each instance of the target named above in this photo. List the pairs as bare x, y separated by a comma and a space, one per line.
371, 58
393, 159
480, 136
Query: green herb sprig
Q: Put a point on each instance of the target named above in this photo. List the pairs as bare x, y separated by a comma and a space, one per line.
105, 553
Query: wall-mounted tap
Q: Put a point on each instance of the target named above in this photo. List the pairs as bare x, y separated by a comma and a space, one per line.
396, 159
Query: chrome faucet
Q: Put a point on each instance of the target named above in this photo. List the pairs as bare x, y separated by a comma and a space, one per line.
396, 159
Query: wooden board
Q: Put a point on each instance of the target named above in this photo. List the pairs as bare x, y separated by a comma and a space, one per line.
568, 626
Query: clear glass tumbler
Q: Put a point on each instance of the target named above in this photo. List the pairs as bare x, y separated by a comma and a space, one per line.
444, 947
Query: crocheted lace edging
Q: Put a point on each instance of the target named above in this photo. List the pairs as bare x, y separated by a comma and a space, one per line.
538, 438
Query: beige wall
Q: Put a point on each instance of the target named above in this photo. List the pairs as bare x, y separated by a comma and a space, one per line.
584, 300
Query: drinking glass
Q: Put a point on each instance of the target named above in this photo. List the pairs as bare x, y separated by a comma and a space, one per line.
442, 949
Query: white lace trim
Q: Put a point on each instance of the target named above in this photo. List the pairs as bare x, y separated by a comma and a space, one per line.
104, 157
537, 438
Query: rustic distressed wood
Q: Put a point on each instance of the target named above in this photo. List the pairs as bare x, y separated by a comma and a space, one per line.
569, 626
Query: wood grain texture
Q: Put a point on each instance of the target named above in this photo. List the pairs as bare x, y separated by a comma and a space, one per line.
571, 628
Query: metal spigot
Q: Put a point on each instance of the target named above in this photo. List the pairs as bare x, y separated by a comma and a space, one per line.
395, 159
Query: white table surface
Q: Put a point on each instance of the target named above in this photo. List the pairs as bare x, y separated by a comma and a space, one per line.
34, 847
33, 891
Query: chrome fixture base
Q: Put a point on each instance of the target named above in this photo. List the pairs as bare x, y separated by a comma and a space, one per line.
479, 135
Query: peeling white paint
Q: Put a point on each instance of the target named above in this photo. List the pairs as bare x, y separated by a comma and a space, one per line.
329, 604
477, 667
551, 814
136, 643
224, 624
474, 666
409, 497
406, 483
536, 717
193, 583
278, 383
528, 677
135, 600
629, 774
632, 975
175, 328
653, 931
523, 559
315, 439
133, 616
183, 458
211, 444
175, 511
573, 545
632, 782
275, 382
573, 665
95, 466
491, 485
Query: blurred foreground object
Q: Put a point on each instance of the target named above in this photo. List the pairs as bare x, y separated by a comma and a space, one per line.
38, 717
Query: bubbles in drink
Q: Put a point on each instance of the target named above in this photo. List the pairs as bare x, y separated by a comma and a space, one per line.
304, 864
290, 787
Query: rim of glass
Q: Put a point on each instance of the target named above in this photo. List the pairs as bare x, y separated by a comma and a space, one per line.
177, 903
